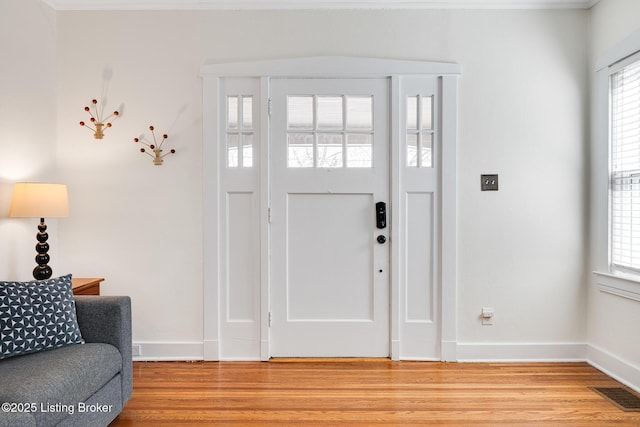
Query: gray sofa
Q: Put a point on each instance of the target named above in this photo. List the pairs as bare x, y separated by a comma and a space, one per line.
83, 385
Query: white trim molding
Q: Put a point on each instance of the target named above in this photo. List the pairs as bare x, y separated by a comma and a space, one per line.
522, 352
621, 370
322, 66
622, 286
167, 351
66, 5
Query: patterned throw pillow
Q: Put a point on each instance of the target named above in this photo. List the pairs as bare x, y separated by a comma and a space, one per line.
37, 315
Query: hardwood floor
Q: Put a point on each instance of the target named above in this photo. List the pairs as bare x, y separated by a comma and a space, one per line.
369, 392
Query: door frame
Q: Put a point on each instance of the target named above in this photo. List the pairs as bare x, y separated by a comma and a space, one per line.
213, 74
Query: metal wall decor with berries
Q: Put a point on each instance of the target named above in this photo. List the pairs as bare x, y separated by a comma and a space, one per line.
97, 121
154, 147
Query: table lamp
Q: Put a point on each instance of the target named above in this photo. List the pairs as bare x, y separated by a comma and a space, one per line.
39, 200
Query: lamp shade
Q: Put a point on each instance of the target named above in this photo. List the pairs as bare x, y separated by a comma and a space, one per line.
39, 200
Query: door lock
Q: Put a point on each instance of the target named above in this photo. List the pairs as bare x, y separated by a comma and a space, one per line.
381, 215
381, 239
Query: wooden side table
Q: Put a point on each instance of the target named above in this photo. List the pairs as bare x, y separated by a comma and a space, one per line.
88, 286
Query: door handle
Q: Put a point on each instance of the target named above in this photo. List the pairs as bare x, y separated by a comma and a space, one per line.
381, 215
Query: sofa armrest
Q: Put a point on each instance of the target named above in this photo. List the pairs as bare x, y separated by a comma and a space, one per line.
107, 319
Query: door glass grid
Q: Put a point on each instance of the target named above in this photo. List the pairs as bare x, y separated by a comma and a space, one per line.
419, 131
239, 131
329, 131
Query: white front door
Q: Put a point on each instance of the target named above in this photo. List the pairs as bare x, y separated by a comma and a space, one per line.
329, 169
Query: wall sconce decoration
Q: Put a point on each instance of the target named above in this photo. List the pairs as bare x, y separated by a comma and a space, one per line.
155, 147
98, 122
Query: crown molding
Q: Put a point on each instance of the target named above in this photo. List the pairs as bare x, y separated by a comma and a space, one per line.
62, 5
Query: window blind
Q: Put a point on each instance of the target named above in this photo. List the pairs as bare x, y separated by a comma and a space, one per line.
625, 165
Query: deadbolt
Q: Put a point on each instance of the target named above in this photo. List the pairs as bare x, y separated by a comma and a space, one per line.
381, 239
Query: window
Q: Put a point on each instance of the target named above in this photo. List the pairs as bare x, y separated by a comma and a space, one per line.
329, 131
624, 178
239, 131
419, 131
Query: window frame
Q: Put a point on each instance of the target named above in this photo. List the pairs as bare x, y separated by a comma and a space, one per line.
240, 131
620, 175
420, 131
615, 281
317, 131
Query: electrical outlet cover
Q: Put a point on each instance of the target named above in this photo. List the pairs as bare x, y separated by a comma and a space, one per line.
487, 315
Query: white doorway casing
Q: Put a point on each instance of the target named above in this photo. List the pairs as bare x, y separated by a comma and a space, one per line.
236, 203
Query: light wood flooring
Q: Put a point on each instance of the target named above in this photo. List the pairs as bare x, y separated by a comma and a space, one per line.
369, 392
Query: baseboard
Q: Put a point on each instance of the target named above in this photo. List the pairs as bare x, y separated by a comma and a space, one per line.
462, 352
521, 352
165, 351
623, 371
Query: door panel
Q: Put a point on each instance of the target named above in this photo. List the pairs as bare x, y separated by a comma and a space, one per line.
341, 223
329, 167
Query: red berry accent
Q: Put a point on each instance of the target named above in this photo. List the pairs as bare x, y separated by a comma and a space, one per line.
93, 101
92, 120
108, 125
81, 123
153, 147
142, 150
135, 140
86, 108
115, 113
165, 136
173, 151
150, 127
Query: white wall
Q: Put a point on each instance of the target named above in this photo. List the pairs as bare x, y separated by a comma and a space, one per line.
27, 125
613, 321
521, 249
136, 224
522, 115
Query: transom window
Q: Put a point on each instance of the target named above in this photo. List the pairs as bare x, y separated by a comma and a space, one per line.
329, 131
239, 130
419, 131
624, 127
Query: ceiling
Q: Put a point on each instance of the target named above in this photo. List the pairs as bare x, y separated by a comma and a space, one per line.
315, 4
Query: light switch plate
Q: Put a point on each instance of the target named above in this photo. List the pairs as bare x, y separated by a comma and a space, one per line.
489, 182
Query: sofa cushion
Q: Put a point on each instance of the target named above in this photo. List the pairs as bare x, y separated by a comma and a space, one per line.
37, 315
54, 382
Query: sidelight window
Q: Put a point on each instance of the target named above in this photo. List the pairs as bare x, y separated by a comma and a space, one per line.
420, 131
239, 131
